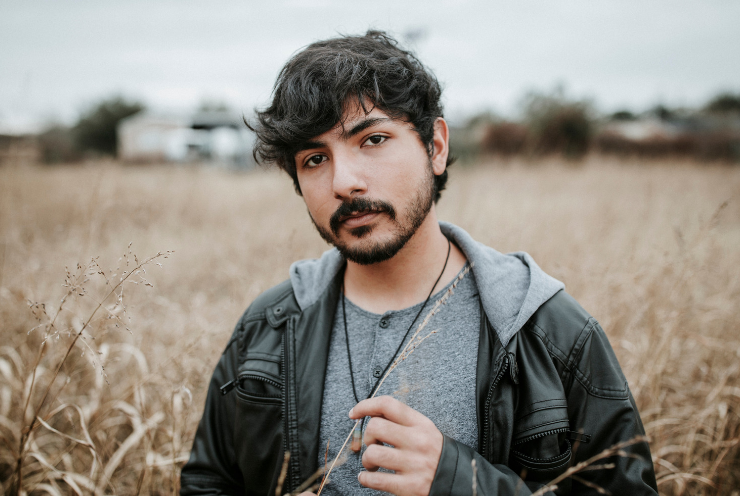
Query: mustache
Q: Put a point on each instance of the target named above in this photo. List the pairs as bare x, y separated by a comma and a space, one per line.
359, 206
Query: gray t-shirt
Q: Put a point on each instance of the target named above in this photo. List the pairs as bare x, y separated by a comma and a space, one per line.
437, 379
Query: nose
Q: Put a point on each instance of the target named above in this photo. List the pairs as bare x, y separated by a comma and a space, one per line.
348, 180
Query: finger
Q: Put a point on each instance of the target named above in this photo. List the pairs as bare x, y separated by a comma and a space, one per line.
377, 456
380, 430
381, 481
389, 408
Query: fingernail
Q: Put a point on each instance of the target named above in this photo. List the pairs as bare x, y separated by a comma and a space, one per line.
350, 412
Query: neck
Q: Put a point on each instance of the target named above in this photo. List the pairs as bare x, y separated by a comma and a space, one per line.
407, 278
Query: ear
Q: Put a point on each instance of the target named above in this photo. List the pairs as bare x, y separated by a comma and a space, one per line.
441, 142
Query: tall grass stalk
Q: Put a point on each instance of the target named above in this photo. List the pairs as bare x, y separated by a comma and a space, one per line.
75, 285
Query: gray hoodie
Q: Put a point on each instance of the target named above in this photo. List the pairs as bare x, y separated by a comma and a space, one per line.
512, 287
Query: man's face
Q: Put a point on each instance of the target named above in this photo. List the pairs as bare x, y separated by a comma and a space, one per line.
368, 185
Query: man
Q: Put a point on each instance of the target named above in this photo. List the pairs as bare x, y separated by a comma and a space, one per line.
517, 377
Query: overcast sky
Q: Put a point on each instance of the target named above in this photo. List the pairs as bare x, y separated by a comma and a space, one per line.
58, 56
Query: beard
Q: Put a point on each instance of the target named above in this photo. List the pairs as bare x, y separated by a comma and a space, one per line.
367, 253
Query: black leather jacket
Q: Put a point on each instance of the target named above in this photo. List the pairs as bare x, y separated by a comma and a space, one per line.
554, 396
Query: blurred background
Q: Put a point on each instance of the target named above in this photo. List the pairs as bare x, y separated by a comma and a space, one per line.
601, 137
647, 78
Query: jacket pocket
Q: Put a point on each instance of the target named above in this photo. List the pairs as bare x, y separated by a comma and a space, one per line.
540, 450
258, 434
543, 459
541, 418
256, 388
259, 380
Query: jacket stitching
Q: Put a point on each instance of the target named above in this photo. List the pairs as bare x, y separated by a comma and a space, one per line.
234, 339
580, 343
543, 401
542, 335
541, 409
542, 425
265, 357
209, 479
546, 339
561, 403
590, 385
591, 391
457, 462
261, 314
254, 317
570, 364
553, 459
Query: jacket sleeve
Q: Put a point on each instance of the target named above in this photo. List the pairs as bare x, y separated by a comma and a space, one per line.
600, 406
212, 468
602, 413
455, 474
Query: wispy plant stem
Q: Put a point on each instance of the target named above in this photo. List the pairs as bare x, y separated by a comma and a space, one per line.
27, 430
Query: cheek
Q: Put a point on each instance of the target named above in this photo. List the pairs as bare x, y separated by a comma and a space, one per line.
408, 173
320, 204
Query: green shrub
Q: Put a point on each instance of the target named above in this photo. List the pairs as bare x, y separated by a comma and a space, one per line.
96, 129
724, 103
505, 138
558, 125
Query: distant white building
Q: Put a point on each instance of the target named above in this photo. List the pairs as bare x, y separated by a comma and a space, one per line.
207, 136
642, 129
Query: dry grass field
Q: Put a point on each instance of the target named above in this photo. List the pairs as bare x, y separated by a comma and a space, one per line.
652, 250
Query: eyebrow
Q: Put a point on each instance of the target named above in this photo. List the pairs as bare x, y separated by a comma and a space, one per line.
361, 126
310, 145
356, 129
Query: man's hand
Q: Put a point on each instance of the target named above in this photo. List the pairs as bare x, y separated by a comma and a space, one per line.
417, 447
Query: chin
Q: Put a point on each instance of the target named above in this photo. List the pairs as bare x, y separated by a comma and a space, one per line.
368, 252
361, 232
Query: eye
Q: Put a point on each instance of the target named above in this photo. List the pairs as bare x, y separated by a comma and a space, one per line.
314, 160
375, 139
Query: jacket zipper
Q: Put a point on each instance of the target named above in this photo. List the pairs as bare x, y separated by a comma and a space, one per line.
540, 434
486, 421
294, 467
283, 359
229, 386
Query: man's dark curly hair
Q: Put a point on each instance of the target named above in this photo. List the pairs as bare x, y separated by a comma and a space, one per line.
313, 89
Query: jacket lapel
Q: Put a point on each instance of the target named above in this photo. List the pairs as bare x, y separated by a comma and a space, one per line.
312, 339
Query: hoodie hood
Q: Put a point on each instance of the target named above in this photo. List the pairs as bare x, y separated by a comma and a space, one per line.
512, 287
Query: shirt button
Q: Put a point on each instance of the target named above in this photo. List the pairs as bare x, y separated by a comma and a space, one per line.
376, 373
384, 322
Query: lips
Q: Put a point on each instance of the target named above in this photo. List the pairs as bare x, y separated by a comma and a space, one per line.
360, 219
358, 215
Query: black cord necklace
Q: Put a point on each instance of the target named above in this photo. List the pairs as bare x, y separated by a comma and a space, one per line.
349, 355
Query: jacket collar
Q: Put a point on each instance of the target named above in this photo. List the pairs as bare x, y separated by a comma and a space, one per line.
512, 287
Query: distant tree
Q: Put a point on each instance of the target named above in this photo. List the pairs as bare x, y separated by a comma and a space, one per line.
505, 138
96, 129
662, 112
622, 115
724, 103
465, 137
557, 124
